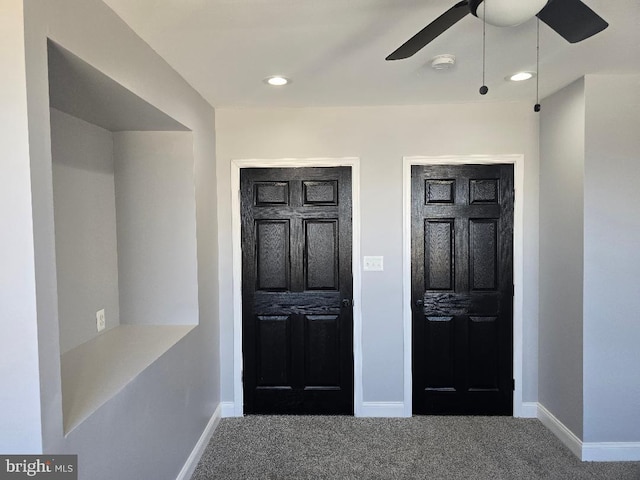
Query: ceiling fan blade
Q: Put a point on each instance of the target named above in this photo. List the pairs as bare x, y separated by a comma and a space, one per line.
572, 19
431, 31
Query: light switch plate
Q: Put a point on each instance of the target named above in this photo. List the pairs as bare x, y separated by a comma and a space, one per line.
101, 322
373, 264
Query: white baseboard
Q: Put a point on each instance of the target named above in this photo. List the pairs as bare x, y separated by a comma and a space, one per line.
528, 410
228, 409
192, 462
558, 428
382, 409
611, 451
589, 451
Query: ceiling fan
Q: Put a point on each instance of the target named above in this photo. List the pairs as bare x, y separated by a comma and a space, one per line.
572, 19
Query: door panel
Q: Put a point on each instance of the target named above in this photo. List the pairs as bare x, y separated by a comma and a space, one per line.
438, 252
297, 290
272, 241
321, 254
462, 289
274, 337
322, 357
483, 353
439, 354
484, 254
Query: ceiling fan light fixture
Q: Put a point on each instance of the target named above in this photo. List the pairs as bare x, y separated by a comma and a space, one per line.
507, 13
520, 76
277, 81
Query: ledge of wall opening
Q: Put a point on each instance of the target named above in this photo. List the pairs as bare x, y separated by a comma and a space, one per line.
152, 200
99, 369
82, 91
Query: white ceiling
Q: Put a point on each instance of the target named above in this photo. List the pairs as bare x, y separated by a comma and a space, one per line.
334, 50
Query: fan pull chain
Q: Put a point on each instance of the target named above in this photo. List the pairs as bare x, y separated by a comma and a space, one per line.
537, 107
484, 89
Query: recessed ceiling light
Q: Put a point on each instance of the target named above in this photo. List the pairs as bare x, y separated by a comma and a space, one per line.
520, 76
277, 80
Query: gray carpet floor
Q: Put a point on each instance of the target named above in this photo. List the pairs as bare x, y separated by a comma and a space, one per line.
290, 447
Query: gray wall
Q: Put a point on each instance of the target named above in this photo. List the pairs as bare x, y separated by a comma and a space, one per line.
589, 237
85, 225
562, 134
381, 136
156, 228
162, 413
20, 401
612, 259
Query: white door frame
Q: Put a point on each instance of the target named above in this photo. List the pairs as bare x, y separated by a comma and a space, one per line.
518, 264
236, 166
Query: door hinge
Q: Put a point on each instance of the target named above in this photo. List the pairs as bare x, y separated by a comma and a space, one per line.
513, 384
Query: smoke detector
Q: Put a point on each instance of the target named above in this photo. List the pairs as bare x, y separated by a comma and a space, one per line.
443, 62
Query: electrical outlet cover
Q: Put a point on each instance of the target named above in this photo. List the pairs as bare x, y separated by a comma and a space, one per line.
101, 322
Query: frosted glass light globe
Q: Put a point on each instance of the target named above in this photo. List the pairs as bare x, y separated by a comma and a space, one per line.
508, 13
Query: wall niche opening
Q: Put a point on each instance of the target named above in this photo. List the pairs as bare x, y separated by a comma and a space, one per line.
125, 232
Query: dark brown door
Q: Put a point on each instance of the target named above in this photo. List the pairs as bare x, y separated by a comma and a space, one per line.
297, 290
462, 289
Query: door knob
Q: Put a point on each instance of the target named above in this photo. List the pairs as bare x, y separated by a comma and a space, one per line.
419, 303
346, 303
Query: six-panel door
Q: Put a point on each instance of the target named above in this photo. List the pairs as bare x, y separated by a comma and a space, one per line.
297, 290
462, 289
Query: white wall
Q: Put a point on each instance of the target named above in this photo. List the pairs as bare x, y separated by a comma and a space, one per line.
380, 137
85, 226
612, 259
561, 255
20, 395
156, 228
162, 413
